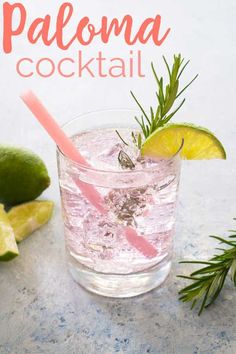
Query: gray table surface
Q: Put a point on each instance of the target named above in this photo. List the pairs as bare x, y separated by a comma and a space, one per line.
41, 309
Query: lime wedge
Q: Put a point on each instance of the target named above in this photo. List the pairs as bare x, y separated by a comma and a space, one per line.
199, 143
8, 246
27, 218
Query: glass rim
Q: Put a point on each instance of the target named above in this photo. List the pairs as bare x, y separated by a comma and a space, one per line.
123, 172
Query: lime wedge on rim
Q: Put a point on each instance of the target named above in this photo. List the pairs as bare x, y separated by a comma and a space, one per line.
8, 246
199, 143
27, 218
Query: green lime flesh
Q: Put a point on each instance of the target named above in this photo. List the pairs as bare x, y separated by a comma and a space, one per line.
29, 217
8, 246
198, 143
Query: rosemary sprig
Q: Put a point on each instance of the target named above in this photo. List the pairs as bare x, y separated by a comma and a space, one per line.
166, 97
207, 282
123, 141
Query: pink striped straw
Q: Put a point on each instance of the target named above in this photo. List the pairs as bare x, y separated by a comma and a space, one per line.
69, 149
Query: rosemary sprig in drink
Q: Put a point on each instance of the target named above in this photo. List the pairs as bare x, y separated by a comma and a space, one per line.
157, 139
167, 94
209, 280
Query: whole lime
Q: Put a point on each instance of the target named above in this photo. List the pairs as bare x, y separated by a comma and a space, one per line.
23, 175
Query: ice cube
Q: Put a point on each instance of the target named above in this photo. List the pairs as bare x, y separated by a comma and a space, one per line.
110, 156
102, 237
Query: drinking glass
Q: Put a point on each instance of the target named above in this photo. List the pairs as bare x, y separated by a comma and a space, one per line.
101, 257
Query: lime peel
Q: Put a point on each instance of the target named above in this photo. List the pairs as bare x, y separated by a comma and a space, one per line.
8, 246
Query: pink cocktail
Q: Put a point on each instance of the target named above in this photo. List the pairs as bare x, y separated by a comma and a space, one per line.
142, 199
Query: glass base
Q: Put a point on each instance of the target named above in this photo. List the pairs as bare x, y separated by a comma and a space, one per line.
120, 285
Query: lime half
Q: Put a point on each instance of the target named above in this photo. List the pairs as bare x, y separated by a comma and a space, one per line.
27, 218
199, 143
8, 246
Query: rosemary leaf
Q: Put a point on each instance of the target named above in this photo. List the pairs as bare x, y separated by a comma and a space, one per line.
139, 141
183, 68
167, 119
124, 142
171, 98
185, 88
167, 66
144, 113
